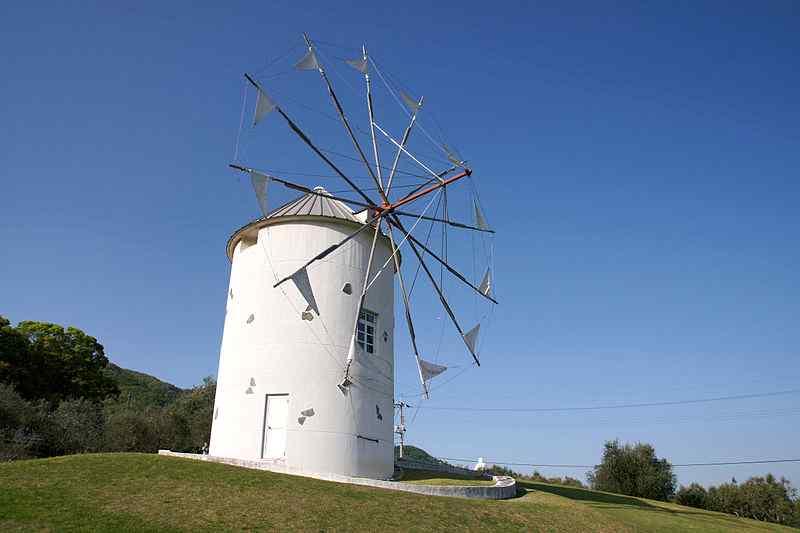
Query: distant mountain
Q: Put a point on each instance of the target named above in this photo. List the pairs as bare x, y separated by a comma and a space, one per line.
140, 389
416, 454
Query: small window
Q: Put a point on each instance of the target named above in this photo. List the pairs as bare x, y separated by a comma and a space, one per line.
365, 332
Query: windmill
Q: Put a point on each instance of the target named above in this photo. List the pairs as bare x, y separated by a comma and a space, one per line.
385, 218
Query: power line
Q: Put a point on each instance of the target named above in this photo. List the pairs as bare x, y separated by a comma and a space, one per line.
683, 465
619, 406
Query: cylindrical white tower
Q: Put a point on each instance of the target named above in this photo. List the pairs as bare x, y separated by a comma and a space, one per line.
281, 360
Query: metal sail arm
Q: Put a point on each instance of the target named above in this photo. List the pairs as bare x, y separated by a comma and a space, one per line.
399, 225
403, 141
401, 148
420, 193
407, 308
332, 248
370, 113
344, 120
441, 174
448, 222
450, 269
302, 188
307, 190
353, 340
295, 128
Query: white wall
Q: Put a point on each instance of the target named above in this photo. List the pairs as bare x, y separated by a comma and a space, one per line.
281, 353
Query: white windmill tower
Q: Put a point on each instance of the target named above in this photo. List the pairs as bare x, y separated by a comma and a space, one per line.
307, 369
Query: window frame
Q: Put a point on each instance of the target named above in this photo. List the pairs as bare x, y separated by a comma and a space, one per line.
367, 331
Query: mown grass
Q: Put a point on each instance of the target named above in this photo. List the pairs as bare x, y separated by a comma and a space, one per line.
138, 492
423, 477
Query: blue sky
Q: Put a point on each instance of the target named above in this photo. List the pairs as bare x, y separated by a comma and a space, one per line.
638, 160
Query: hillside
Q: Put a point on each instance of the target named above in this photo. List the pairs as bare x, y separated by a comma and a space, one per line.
414, 453
140, 389
137, 492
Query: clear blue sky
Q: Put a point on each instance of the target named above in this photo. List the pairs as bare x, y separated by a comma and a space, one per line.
639, 160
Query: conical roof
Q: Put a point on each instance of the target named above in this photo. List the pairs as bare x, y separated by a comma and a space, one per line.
318, 203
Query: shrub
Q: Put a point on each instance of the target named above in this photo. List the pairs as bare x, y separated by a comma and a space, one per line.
633, 470
694, 495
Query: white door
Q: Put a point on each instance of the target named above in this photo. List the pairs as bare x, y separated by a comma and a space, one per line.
277, 411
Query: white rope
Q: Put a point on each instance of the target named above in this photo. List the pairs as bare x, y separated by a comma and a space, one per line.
397, 248
409, 154
325, 328
241, 124
438, 144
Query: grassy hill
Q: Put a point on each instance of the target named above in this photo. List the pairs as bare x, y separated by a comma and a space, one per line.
137, 492
416, 454
142, 390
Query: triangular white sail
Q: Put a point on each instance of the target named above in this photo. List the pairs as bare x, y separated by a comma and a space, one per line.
309, 62
260, 182
412, 104
479, 220
486, 283
453, 156
301, 281
429, 370
360, 65
264, 105
471, 337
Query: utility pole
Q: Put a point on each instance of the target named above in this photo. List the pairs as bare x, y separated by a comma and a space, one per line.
400, 429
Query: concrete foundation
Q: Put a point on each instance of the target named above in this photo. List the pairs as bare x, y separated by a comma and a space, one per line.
504, 487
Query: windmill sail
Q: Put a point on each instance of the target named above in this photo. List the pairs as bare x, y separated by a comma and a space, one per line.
260, 182
453, 156
301, 281
480, 221
430, 370
412, 104
360, 65
486, 283
264, 105
471, 337
309, 61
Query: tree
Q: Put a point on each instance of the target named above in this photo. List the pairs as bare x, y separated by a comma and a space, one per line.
15, 367
23, 426
44, 360
192, 413
694, 495
633, 470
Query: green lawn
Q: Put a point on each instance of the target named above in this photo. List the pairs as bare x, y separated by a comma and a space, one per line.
138, 492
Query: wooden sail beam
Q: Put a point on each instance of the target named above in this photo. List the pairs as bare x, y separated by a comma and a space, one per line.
442, 220
419, 194
444, 263
407, 308
409, 154
302, 188
295, 128
354, 340
307, 190
447, 308
344, 120
403, 142
332, 248
431, 180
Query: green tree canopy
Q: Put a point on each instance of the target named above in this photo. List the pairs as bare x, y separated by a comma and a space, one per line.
694, 495
633, 470
44, 360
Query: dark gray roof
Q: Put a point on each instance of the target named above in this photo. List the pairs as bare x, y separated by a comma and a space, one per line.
319, 204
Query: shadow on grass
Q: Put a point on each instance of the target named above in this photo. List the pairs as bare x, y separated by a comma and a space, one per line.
574, 493
620, 502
